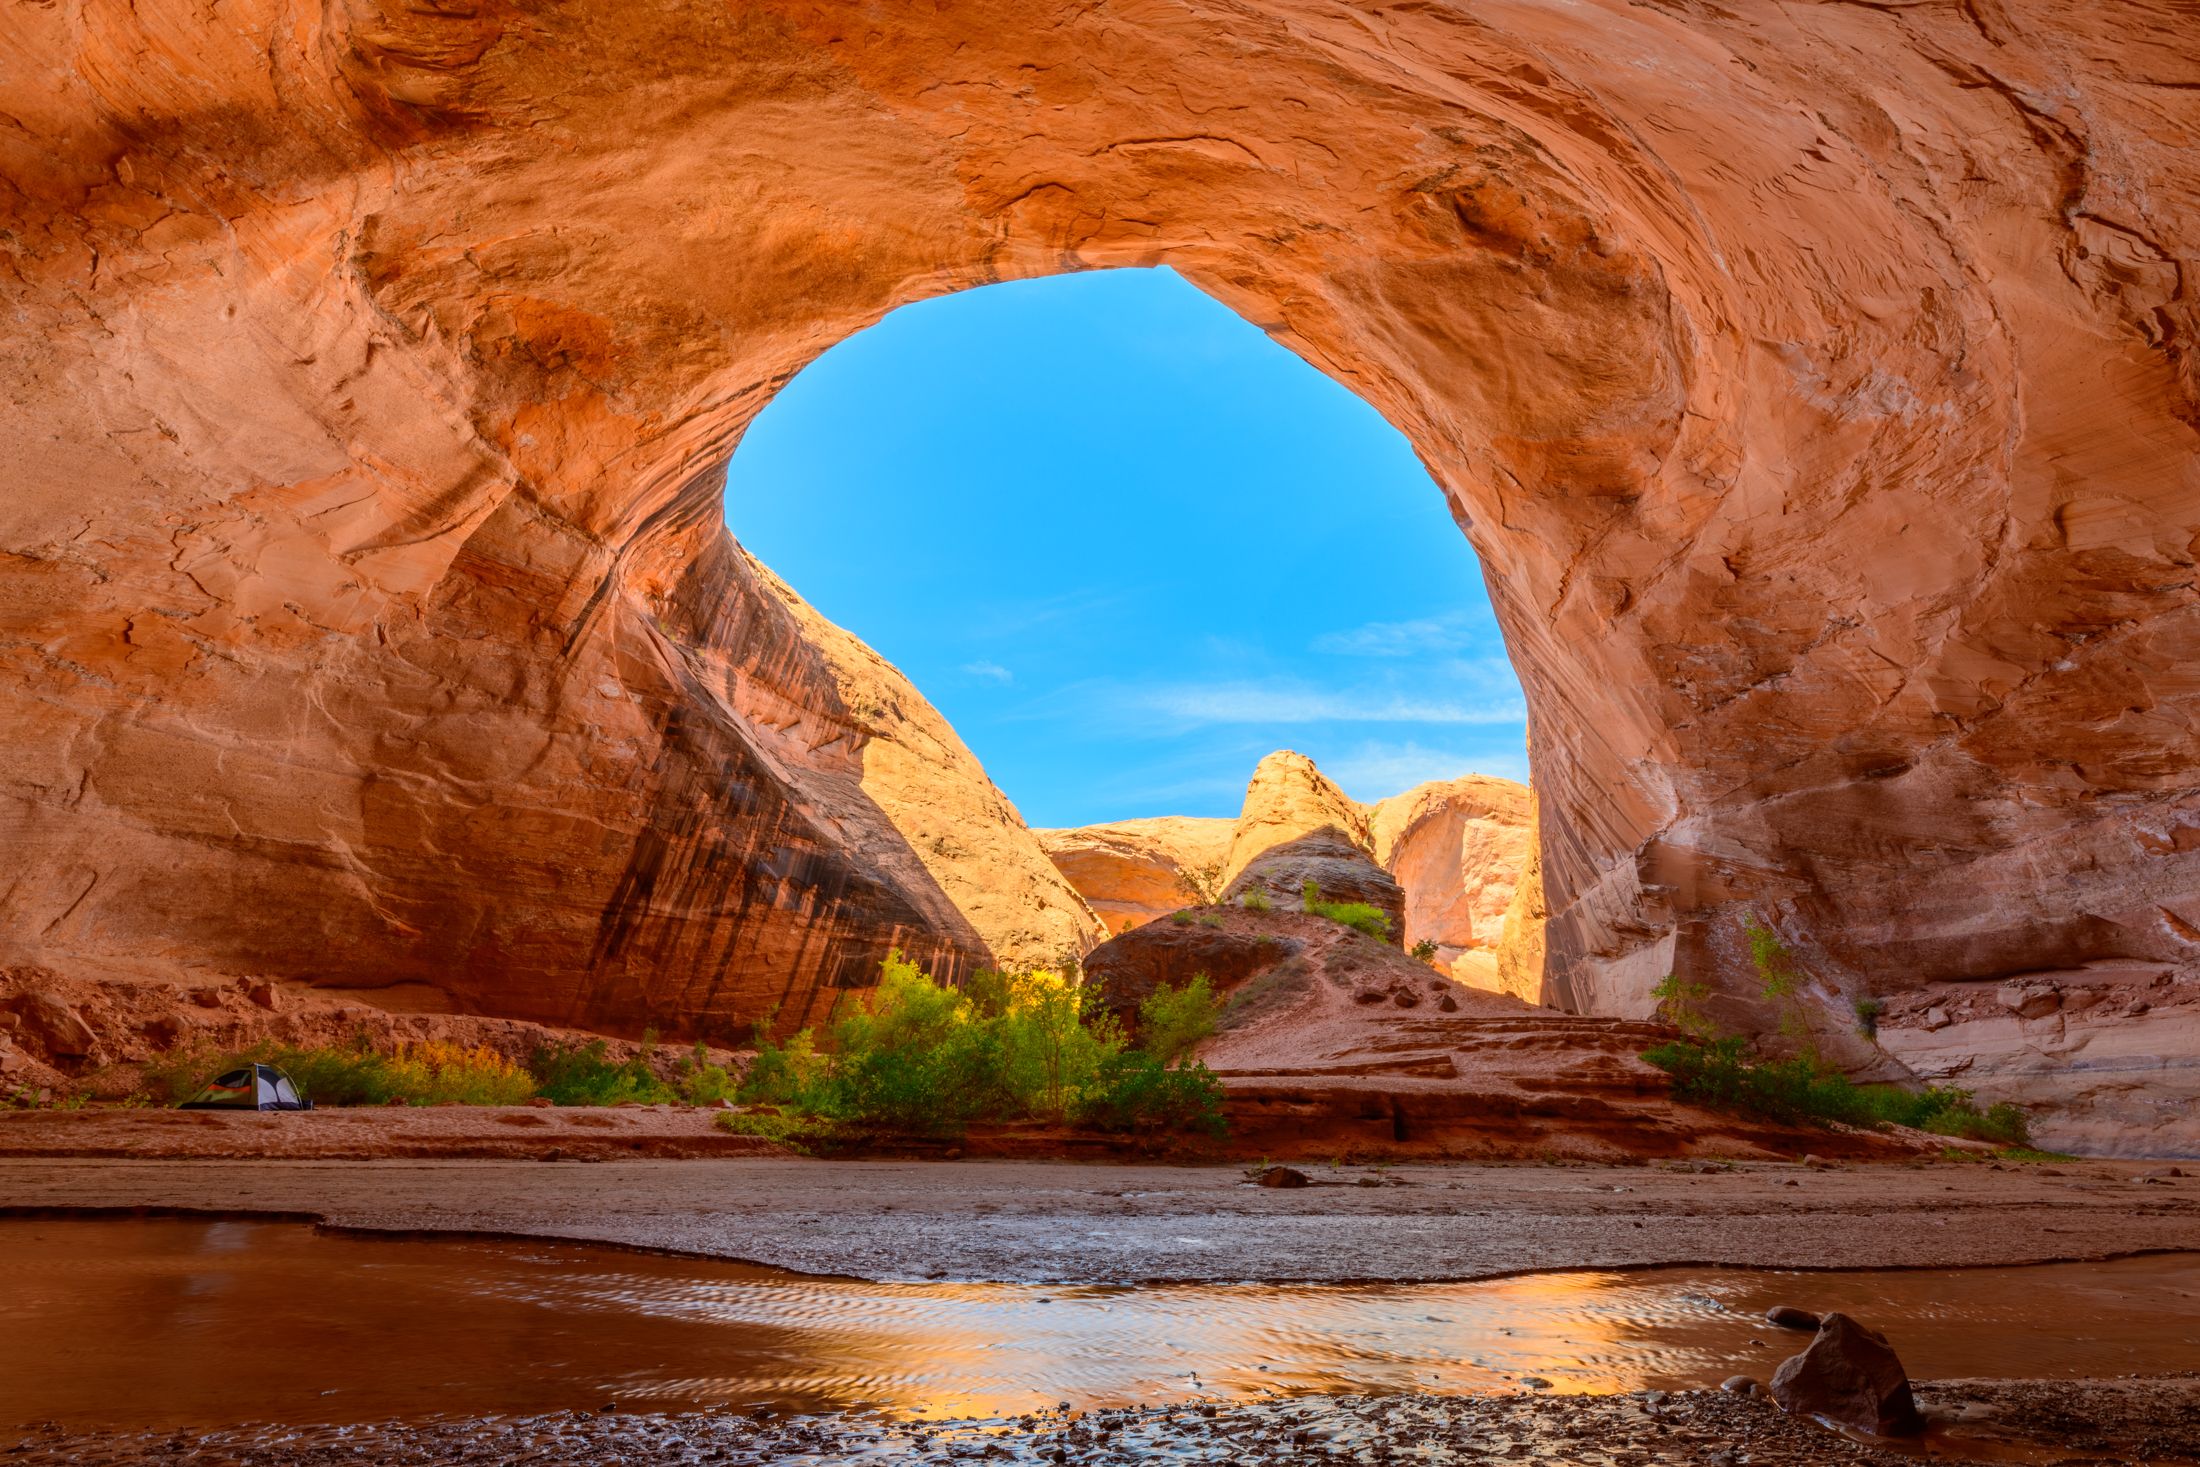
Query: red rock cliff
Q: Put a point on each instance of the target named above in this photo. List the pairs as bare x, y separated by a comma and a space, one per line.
1815, 380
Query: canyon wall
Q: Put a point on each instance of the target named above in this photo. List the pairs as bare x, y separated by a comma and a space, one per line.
1815, 381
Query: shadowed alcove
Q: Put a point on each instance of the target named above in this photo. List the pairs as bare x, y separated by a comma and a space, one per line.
1831, 598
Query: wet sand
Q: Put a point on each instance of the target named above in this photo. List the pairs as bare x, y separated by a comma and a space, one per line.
2106, 1422
1011, 1222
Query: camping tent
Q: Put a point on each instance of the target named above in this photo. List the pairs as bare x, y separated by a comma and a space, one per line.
254, 1087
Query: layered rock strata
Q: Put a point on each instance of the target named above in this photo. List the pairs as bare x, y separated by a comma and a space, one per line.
1332, 1044
1815, 382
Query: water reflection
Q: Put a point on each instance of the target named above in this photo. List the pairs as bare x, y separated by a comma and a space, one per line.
177, 1322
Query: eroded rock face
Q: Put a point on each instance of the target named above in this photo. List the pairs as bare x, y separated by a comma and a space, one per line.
1458, 849
2107, 1057
1133, 871
1815, 382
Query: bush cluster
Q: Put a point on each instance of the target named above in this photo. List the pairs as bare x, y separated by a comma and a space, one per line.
432, 1072
1724, 1074
921, 1057
1722, 1070
1359, 916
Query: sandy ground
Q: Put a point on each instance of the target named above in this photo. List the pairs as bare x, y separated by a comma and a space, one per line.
1061, 1222
2155, 1422
469, 1132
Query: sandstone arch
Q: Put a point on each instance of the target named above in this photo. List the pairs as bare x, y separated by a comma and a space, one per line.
1814, 380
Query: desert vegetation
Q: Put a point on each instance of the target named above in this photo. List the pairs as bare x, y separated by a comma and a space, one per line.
1729, 1072
1359, 916
435, 1073
918, 1057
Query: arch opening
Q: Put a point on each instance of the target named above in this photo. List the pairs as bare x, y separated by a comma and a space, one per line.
1128, 545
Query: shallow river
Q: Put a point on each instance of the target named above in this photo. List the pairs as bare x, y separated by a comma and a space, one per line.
174, 1323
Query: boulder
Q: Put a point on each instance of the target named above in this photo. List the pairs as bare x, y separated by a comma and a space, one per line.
1787, 1316
2030, 1000
1284, 1176
1849, 1376
1125, 969
53, 1026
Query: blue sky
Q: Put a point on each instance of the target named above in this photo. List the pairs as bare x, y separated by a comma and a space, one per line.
1128, 545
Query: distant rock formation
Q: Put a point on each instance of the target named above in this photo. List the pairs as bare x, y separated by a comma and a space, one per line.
1445, 860
1133, 871
1460, 849
1297, 831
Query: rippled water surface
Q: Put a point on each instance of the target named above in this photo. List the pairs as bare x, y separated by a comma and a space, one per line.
161, 1322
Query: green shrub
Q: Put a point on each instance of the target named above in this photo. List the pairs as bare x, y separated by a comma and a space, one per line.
1868, 1011
1255, 900
914, 1055
1172, 1021
426, 1073
1137, 1092
1425, 950
585, 1074
1203, 882
1358, 916
1681, 1004
699, 1081
1724, 1074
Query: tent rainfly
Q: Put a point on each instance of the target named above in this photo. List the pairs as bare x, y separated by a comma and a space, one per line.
254, 1087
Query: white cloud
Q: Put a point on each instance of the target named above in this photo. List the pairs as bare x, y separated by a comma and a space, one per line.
1452, 632
992, 672
1285, 703
1376, 771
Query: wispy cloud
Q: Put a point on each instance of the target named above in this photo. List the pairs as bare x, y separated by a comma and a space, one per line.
1423, 637
992, 672
1293, 703
1376, 771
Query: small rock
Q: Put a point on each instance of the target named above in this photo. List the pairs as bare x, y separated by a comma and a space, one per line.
1816, 1163
541, 1102
953, 1153
1535, 1382
1284, 1176
1935, 1018
210, 998
1406, 998
1851, 1377
1787, 1316
1742, 1385
1448, 1004
2030, 1000
2138, 1008
266, 995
